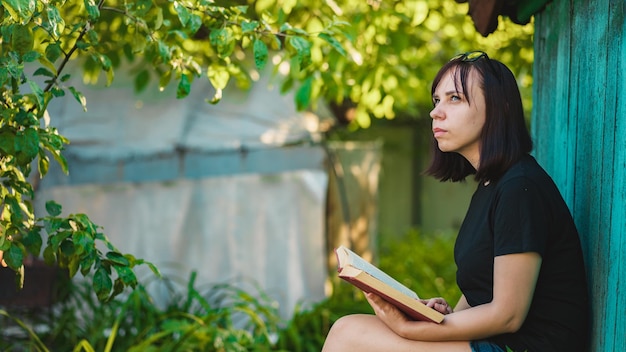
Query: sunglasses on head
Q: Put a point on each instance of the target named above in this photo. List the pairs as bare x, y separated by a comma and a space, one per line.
470, 56
473, 56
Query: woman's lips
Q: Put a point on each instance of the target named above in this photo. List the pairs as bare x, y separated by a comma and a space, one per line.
438, 132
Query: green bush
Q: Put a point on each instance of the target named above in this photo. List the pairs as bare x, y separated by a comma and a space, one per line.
423, 263
217, 318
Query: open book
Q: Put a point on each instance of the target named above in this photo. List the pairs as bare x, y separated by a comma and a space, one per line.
367, 277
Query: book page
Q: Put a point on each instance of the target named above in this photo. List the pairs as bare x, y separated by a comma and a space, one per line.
360, 263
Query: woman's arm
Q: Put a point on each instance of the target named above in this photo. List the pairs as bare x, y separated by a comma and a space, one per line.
515, 276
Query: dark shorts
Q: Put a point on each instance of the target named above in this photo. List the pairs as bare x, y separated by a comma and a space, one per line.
484, 346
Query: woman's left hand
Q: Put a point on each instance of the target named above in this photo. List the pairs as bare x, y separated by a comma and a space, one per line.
439, 304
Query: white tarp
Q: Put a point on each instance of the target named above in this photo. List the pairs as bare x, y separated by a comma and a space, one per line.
229, 220
262, 228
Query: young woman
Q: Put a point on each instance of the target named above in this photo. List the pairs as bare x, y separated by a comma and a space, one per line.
519, 260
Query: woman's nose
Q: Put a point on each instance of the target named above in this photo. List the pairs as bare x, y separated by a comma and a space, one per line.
436, 113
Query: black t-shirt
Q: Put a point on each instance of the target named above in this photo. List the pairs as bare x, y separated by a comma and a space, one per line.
524, 212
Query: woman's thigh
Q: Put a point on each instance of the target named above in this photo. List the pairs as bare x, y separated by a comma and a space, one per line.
361, 332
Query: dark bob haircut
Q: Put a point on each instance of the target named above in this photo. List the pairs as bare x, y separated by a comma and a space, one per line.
504, 138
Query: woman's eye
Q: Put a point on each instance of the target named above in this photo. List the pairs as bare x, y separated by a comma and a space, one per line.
435, 101
455, 98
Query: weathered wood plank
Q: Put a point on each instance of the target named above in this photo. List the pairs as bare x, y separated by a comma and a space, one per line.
586, 202
579, 126
615, 179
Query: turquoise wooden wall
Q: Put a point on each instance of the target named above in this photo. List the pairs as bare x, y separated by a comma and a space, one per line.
579, 128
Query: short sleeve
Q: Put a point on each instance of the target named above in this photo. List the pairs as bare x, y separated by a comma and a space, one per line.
520, 218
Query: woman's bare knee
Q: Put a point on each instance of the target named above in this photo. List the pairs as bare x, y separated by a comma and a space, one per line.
363, 332
352, 330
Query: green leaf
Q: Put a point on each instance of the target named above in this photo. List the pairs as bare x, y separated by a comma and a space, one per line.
43, 164
152, 267
260, 53
165, 79
52, 225
92, 9
92, 37
57, 92
31, 56
287, 85
43, 72
85, 223
27, 145
53, 208
105, 61
20, 10
288, 28
249, 26
4, 75
15, 69
4, 243
73, 265
118, 288
102, 283
79, 97
7, 142
218, 76
142, 7
195, 22
67, 248
183, 13
142, 80
222, 40
46, 63
117, 258
22, 39
184, 87
83, 242
39, 95
303, 50
164, 51
14, 257
333, 42
56, 24
303, 95
33, 242
126, 275
49, 255
87, 261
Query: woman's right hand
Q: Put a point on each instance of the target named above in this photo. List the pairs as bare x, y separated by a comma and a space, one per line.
439, 304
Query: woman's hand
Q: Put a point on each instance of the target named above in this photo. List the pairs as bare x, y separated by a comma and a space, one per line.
439, 304
389, 314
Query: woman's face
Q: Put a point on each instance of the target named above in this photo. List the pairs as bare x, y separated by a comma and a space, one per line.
457, 125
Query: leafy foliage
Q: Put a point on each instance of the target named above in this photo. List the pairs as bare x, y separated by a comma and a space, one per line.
423, 262
392, 51
218, 318
176, 40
